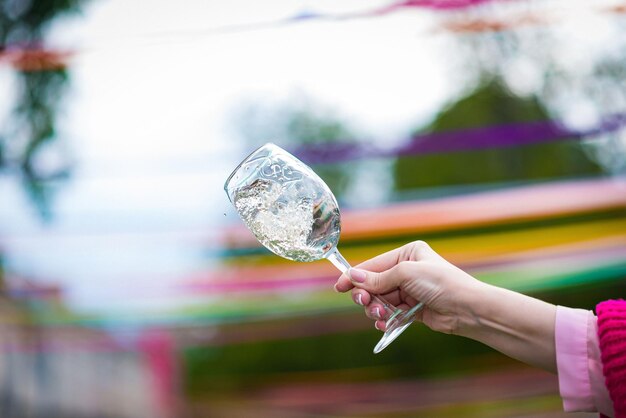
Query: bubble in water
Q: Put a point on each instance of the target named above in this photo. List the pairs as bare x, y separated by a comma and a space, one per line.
287, 221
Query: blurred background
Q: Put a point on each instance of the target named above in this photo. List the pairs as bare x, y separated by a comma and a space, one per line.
494, 130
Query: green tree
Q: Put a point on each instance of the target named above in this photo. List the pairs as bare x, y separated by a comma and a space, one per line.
491, 104
23, 25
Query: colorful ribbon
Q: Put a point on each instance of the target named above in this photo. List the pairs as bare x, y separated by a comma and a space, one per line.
473, 139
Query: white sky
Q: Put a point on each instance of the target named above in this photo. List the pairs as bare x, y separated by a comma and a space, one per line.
149, 116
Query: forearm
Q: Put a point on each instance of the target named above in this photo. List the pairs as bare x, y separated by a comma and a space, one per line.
517, 325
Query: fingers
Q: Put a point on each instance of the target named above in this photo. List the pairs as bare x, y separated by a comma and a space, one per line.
384, 261
414, 251
375, 311
381, 322
379, 263
386, 281
361, 297
343, 284
381, 325
392, 298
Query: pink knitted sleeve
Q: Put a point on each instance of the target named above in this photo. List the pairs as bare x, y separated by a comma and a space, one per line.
612, 337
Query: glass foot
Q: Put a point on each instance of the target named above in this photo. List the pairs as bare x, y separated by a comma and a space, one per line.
395, 326
389, 336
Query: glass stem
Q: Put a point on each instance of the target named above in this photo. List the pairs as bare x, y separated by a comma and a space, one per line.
338, 261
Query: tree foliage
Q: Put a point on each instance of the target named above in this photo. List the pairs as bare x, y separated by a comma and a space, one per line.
23, 26
491, 104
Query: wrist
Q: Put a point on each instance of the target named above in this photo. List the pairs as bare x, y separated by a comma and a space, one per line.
517, 325
474, 309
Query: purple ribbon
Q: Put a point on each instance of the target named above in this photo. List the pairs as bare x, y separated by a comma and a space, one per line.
486, 137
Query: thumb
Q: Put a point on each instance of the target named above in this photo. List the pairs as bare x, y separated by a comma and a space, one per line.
380, 283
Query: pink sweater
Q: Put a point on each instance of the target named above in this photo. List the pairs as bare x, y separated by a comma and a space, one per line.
612, 335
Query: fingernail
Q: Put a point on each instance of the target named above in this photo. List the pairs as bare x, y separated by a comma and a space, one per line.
376, 325
377, 312
359, 299
335, 288
357, 275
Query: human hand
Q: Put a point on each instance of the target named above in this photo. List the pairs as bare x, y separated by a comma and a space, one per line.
411, 274
517, 325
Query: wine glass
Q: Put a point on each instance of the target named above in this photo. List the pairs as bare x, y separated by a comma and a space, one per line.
293, 213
